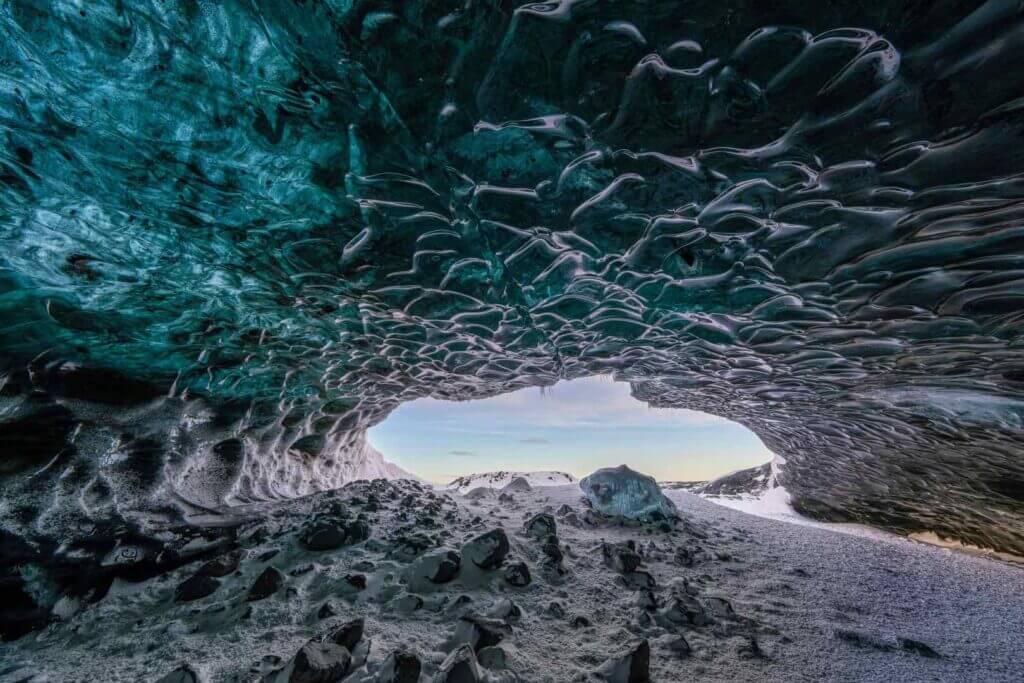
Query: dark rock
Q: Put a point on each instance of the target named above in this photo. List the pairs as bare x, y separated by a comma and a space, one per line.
622, 557
401, 666
918, 648
540, 526
183, 674
507, 611
518, 574
408, 548
579, 621
319, 663
555, 610
459, 667
488, 550
437, 567
195, 588
687, 557
347, 635
750, 649
460, 605
494, 658
266, 584
563, 510
683, 611
680, 647
647, 600
326, 611
479, 632
357, 581
639, 580
552, 550
33, 440
631, 666
268, 554
331, 535
409, 603
721, 607
221, 566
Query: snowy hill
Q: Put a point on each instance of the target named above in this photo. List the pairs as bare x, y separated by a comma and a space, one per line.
501, 479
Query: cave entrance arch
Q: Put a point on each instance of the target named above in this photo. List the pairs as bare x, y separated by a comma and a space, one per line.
576, 426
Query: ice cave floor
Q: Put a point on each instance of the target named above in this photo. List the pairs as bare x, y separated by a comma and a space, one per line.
734, 598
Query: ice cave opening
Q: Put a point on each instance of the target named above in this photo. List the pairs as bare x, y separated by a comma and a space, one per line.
571, 428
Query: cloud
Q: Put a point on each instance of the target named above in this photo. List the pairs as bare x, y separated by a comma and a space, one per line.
457, 452
535, 440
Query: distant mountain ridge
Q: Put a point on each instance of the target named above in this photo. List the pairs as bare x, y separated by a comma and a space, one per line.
502, 478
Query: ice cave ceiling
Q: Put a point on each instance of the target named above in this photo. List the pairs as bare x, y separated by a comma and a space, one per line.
238, 233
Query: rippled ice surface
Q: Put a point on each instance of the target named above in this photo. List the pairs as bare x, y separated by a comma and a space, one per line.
236, 234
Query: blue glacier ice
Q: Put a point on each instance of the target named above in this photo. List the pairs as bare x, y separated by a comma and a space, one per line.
621, 492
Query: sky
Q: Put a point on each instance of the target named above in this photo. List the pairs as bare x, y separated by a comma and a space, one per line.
576, 426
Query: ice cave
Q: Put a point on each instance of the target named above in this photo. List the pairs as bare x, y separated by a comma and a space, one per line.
238, 234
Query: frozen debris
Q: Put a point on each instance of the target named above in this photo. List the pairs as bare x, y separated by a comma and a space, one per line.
401, 666
630, 666
488, 550
265, 585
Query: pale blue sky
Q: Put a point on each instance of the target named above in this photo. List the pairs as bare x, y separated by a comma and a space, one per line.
575, 427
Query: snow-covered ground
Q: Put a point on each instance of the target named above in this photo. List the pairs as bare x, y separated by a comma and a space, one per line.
732, 597
501, 479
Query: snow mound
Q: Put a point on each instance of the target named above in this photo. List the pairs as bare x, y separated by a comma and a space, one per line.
501, 479
621, 492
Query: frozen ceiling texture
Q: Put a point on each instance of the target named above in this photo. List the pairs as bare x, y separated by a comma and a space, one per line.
237, 233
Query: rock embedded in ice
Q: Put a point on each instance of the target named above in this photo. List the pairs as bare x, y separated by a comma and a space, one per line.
917, 647
265, 585
683, 611
331, 535
540, 526
408, 603
401, 666
621, 492
459, 667
631, 666
720, 607
347, 634
222, 565
408, 548
183, 674
436, 567
518, 574
488, 550
494, 658
679, 646
622, 557
479, 632
195, 588
316, 663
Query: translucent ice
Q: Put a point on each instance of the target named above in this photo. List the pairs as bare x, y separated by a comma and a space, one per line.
621, 492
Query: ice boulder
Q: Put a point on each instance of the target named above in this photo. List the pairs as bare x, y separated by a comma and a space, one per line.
621, 492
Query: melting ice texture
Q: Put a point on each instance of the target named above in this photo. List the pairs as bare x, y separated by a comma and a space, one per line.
236, 234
